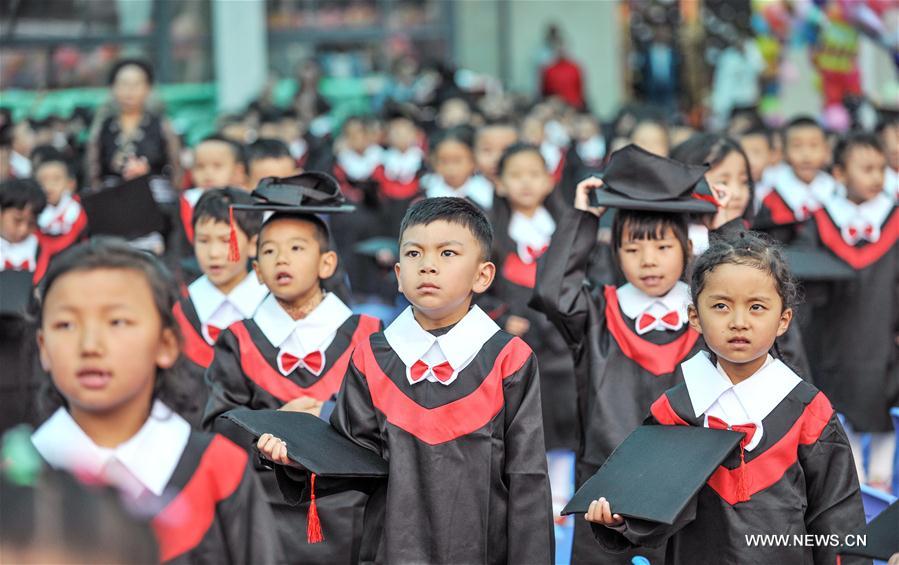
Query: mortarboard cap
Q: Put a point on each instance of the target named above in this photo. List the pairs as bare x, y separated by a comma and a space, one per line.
127, 210
636, 179
655, 471
16, 292
881, 537
810, 264
311, 192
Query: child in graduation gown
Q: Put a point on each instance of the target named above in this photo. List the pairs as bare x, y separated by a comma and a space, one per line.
110, 342
293, 353
522, 236
22, 247
792, 191
793, 472
63, 221
453, 403
853, 324
400, 170
452, 158
225, 293
628, 341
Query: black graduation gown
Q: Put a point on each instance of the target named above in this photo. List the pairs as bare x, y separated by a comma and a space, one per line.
197, 355
244, 373
213, 509
513, 288
619, 373
395, 197
775, 218
852, 325
468, 480
800, 480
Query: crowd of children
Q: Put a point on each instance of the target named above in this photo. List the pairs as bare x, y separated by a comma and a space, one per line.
464, 293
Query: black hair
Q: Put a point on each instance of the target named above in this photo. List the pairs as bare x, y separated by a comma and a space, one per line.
20, 194
887, 120
641, 225
237, 149
762, 130
322, 235
454, 210
267, 148
215, 204
752, 249
54, 513
515, 149
852, 140
459, 134
711, 149
45, 154
115, 253
800, 122
143, 65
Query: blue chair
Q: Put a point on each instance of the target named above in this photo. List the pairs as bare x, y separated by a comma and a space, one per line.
875, 501
894, 412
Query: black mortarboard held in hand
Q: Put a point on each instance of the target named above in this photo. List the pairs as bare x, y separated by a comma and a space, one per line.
655, 471
16, 292
307, 193
881, 536
636, 179
127, 210
315, 446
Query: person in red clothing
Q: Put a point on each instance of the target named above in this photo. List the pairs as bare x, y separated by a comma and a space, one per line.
562, 77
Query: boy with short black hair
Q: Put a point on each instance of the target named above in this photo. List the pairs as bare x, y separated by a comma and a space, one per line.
793, 191
453, 403
268, 157
226, 292
63, 219
758, 144
22, 247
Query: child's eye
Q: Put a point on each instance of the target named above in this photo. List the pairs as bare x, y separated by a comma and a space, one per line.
757, 307
296, 248
630, 250
412, 253
267, 251
665, 246
719, 306
62, 325
120, 322
448, 253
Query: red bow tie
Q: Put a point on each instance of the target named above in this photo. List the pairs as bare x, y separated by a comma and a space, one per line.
23, 266
855, 234
313, 362
211, 333
443, 372
535, 252
804, 213
671, 320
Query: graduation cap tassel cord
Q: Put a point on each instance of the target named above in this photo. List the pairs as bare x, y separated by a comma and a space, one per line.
233, 249
742, 492
313, 524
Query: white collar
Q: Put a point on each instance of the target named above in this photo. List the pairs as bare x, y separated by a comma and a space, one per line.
534, 232
477, 188
891, 183
59, 218
298, 148
402, 166
593, 150
19, 253
798, 194
20, 164
859, 221
192, 195
758, 395
245, 297
634, 302
551, 154
313, 333
150, 456
699, 237
360, 167
458, 346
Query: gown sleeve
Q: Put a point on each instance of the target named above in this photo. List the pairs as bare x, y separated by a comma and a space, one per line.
228, 387
530, 524
248, 524
561, 292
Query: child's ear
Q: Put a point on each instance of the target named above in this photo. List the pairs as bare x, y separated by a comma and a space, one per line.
785, 318
693, 317
484, 278
327, 264
839, 174
45, 359
168, 349
399, 281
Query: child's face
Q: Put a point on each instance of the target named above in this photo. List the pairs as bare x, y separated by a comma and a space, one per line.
532, 131
651, 265
759, 153
290, 262
17, 224
584, 127
356, 137
440, 266
55, 180
889, 138
271, 167
807, 152
401, 134
651, 137
525, 181
862, 174
215, 166
211, 243
101, 340
453, 160
739, 313
489, 147
730, 177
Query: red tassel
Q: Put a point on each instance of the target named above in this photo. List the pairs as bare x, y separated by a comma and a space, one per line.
313, 524
742, 492
233, 248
